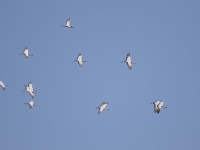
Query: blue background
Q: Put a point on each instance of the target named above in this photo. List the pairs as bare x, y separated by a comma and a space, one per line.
163, 39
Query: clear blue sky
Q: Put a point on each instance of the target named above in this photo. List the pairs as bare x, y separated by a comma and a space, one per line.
163, 39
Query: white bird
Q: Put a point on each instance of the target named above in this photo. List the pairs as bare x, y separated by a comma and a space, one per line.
3, 85
29, 88
68, 24
80, 60
158, 105
102, 107
30, 104
26, 52
128, 61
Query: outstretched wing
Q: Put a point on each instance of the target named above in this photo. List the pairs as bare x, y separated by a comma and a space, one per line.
156, 108
26, 52
68, 23
160, 105
31, 103
128, 58
30, 85
2, 85
80, 59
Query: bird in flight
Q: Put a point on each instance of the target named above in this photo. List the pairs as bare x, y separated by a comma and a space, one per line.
80, 60
128, 61
30, 104
158, 105
3, 85
29, 88
68, 24
26, 52
102, 107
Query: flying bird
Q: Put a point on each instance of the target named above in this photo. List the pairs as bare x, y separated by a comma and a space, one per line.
68, 24
158, 105
80, 60
26, 52
3, 85
30, 104
29, 88
102, 107
128, 61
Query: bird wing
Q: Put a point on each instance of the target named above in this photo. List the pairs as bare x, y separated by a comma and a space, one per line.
129, 64
68, 24
25, 49
103, 103
80, 59
160, 105
128, 59
26, 53
1, 84
31, 103
79, 54
103, 106
31, 93
30, 85
128, 54
156, 108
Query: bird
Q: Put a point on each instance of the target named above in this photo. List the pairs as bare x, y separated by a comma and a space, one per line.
68, 24
102, 107
128, 61
26, 52
80, 60
158, 105
29, 88
30, 104
3, 85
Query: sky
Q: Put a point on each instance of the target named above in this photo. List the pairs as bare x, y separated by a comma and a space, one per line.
162, 37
